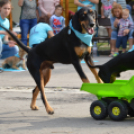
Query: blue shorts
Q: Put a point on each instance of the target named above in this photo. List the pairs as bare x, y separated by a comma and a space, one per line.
121, 40
115, 33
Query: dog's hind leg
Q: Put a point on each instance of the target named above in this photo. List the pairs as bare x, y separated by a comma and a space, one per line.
45, 77
93, 70
38, 75
33, 103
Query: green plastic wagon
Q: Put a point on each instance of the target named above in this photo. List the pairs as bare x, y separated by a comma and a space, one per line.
114, 99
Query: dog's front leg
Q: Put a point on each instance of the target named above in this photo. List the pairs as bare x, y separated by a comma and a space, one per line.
24, 65
93, 70
78, 68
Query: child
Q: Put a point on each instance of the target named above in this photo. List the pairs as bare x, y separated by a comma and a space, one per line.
106, 12
40, 32
125, 26
57, 21
8, 47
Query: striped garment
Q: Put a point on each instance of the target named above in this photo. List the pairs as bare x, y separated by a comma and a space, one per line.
122, 3
124, 24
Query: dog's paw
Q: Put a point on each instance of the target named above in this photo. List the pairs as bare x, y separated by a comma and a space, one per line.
34, 107
50, 111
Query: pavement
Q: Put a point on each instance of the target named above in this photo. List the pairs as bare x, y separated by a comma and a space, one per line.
71, 105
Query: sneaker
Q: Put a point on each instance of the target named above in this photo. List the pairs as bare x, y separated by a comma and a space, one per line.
132, 49
115, 54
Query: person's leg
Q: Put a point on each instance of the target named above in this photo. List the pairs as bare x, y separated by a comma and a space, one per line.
33, 22
124, 43
118, 43
130, 38
24, 25
109, 30
9, 51
113, 41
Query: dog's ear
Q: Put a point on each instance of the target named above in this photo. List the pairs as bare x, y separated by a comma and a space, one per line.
76, 21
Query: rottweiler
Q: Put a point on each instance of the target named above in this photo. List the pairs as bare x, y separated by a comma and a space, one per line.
65, 48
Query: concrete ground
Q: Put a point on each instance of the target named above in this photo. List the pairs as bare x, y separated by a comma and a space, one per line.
71, 105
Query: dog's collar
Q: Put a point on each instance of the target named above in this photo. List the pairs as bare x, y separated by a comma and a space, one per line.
85, 38
17, 55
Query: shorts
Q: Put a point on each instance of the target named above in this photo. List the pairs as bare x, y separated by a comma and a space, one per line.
121, 40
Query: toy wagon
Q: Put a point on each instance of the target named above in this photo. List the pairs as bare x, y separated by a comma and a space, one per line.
114, 99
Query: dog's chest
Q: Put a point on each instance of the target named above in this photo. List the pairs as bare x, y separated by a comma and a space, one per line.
82, 50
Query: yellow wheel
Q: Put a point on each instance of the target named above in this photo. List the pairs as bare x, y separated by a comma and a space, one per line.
117, 110
98, 110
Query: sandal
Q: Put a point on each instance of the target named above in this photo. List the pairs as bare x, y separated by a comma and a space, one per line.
111, 54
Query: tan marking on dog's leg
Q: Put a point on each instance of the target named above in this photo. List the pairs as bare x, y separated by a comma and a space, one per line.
94, 71
113, 77
33, 103
85, 81
45, 76
24, 66
15, 67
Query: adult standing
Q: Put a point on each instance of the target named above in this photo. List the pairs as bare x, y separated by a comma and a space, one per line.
86, 3
28, 17
47, 7
116, 15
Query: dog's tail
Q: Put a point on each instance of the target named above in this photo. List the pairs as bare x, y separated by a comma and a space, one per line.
17, 40
97, 66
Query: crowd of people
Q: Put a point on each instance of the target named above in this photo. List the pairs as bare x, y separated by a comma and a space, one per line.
45, 19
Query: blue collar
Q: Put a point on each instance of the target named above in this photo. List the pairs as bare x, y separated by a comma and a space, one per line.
17, 55
85, 38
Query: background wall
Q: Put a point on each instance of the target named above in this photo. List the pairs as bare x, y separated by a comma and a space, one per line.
16, 10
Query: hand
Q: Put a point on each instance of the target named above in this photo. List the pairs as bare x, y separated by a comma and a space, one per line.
125, 32
116, 22
14, 33
49, 15
88, 5
11, 43
102, 16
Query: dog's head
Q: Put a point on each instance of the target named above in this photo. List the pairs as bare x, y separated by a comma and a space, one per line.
84, 20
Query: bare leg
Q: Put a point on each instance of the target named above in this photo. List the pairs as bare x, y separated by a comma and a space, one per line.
131, 41
112, 44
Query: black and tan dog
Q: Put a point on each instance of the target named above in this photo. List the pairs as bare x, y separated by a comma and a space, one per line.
62, 48
112, 69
